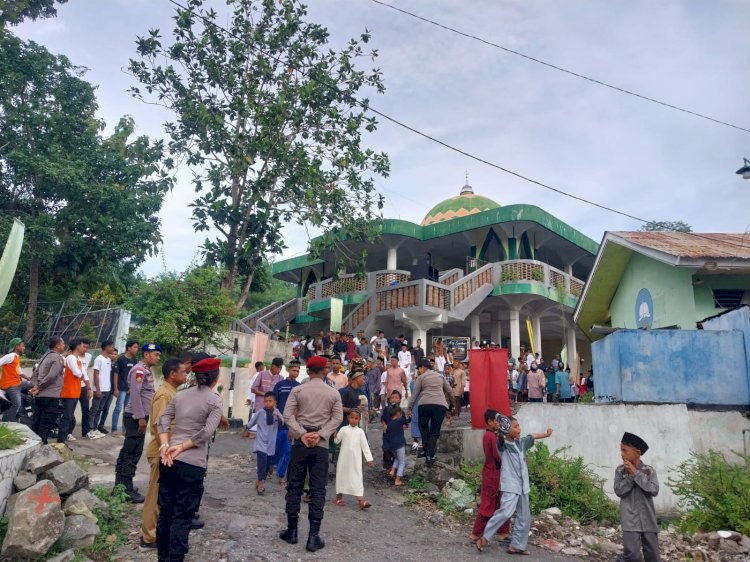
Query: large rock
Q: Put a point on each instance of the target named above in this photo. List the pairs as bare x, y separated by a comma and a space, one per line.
85, 498
68, 477
24, 480
43, 459
80, 531
36, 522
458, 493
65, 452
66, 556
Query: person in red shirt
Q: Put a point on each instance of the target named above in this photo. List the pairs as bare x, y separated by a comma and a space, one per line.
490, 491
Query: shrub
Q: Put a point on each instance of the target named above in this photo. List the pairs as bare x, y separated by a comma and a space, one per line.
715, 492
10, 438
568, 484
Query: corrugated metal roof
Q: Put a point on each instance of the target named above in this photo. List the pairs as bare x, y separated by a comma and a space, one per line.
693, 245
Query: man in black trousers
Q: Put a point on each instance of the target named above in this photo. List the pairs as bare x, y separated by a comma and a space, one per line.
312, 413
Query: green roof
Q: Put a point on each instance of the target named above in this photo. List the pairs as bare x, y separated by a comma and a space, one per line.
490, 217
458, 207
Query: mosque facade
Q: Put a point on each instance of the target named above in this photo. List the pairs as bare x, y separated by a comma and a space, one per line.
472, 269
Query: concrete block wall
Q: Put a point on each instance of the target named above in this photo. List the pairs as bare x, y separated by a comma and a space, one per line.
672, 366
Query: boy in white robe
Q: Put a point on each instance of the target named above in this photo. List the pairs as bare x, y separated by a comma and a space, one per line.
353, 444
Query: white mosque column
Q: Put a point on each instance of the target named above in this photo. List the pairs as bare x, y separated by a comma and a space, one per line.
515, 332
392, 259
536, 327
570, 344
497, 331
476, 334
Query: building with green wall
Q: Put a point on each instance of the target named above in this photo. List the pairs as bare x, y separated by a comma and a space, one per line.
472, 269
654, 280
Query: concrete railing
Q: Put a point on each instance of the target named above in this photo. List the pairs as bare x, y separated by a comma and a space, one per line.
523, 271
356, 283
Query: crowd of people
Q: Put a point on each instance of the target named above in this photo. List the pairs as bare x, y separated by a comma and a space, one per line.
307, 431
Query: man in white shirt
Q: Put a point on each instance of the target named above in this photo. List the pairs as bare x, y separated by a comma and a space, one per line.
86, 395
102, 388
404, 358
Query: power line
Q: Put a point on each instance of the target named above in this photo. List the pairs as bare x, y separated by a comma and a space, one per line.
368, 107
561, 69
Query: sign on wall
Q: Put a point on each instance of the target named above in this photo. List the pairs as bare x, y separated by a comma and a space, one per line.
458, 347
644, 309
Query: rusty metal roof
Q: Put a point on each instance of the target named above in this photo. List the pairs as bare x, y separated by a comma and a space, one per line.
692, 245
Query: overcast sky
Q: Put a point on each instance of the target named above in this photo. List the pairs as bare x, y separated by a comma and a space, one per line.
599, 144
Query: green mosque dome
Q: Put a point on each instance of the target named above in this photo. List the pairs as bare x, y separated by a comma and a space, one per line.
465, 204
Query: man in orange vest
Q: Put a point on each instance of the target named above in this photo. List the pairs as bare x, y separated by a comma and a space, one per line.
71, 390
10, 381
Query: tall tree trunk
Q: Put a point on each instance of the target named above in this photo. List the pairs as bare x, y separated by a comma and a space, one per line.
245, 289
33, 298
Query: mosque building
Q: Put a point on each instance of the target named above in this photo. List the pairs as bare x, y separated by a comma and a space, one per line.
471, 269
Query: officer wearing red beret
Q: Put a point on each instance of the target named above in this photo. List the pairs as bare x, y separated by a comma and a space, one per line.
312, 413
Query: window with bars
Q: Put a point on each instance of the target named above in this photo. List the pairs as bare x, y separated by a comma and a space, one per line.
728, 298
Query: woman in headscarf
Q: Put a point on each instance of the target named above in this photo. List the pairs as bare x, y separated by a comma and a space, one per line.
196, 413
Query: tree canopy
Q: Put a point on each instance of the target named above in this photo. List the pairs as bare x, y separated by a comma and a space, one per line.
89, 202
13, 12
179, 312
666, 226
266, 116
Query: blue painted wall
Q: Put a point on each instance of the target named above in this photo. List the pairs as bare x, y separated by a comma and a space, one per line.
672, 366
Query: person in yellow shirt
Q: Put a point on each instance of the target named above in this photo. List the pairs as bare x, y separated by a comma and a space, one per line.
175, 375
10, 381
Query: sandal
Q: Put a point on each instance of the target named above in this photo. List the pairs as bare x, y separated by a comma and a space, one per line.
261, 490
306, 498
282, 482
473, 538
512, 550
364, 505
481, 544
339, 503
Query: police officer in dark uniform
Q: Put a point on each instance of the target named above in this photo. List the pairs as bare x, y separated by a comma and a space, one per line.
135, 419
312, 413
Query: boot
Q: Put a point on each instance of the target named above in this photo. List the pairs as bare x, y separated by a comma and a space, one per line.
131, 491
197, 523
314, 541
290, 533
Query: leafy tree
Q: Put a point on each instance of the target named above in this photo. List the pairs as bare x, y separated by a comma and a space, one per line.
179, 312
89, 203
267, 117
13, 12
666, 226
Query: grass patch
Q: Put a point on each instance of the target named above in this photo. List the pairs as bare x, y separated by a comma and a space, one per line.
417, 482
10, 438
715, 493
3, 528
112, 521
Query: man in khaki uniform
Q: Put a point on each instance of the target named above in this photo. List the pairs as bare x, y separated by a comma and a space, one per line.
174, 376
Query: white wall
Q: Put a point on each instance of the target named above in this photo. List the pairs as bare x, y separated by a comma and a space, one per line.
594, 432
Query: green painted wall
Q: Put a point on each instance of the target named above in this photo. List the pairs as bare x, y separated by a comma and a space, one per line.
671, 289
704, 298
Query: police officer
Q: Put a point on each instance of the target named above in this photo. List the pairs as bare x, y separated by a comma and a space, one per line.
312, 413
135, 419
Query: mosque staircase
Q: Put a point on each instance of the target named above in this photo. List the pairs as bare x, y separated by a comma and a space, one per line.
274, 316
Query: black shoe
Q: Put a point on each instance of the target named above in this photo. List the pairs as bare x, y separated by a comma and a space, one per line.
314, 541
421, 454
134, 496
102, 430
197, 523
290, 533
430, 462
149, 545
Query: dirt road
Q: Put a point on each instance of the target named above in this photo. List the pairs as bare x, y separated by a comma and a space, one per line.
242, 526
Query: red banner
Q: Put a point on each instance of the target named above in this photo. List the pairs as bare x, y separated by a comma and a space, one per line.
488, 386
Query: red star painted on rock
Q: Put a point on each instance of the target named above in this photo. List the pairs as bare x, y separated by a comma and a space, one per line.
43, 498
